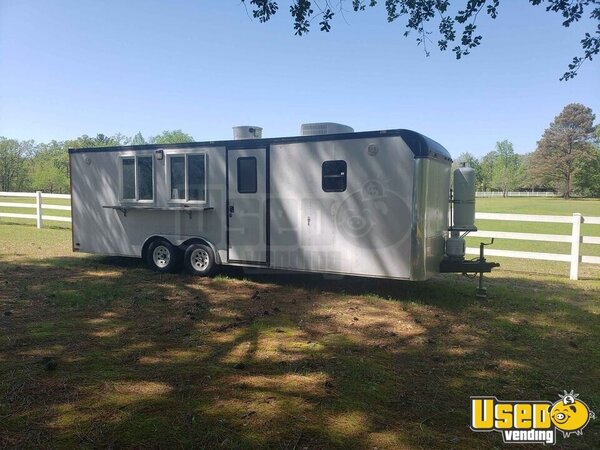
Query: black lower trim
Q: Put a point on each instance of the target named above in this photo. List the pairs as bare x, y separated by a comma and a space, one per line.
250, 263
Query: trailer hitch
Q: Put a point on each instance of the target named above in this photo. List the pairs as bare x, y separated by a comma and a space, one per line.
477, 266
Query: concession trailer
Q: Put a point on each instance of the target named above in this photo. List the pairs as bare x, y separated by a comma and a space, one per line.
331, 200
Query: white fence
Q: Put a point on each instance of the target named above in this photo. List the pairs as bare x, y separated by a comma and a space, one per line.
39, 206
515, 194
575, 238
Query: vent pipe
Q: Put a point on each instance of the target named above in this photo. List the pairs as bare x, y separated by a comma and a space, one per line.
247, 132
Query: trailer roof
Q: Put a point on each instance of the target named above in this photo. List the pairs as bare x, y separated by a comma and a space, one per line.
420, 145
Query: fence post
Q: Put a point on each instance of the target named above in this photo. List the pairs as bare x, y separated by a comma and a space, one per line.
38, 206
575, 241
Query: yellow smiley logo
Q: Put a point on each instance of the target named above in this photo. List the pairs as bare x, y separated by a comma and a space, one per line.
570, 415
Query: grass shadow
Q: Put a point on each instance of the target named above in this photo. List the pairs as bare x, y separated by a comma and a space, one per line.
101, 352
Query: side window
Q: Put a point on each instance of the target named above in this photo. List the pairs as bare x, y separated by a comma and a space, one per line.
187, 177
177, 177
334, 176
137, 182
246, 175
128, 181
196, 178
145, 179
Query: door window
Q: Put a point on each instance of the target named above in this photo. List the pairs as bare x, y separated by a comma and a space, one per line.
246, 175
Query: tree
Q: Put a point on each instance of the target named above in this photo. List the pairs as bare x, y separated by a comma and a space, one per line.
564, 147
45, 166
522, 175
101, 140
50, 168
454, 22
587, 180
467, 159
506, 173
13, 163
527, 180
138, 139
171, 137
486, 167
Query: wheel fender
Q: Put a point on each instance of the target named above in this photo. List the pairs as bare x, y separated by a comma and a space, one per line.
149, 241
181, 242
199, 240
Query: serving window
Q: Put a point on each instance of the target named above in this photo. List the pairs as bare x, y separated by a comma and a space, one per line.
137, 178
187, 178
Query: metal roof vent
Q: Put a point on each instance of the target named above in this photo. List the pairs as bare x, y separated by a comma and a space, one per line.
315, 129
247, 132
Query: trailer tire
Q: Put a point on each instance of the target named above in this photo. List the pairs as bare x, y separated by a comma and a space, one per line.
163, 256
199, 260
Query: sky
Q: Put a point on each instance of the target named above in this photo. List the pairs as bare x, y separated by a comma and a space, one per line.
69, 68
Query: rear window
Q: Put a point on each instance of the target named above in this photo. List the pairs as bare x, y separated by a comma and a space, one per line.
334, 176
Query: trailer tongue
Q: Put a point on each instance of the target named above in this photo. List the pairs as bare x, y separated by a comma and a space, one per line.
462, 206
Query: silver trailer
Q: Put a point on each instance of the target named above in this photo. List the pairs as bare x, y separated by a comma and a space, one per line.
332, 201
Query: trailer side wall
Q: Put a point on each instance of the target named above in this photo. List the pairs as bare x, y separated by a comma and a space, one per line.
364, 230
96, 184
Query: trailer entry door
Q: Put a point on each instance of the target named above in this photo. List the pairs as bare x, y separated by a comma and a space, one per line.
247, 207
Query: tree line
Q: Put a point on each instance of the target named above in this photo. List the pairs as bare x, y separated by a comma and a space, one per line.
566, 160
26, 166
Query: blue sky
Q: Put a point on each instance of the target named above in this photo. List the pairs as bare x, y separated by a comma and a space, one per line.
69, 68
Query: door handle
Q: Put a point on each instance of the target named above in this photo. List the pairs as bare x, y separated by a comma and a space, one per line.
231, 210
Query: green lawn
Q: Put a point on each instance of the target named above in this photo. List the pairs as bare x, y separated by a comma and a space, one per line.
539, 205
546, 206
100, 352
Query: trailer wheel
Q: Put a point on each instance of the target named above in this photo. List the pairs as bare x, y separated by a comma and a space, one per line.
162, 256
199, 260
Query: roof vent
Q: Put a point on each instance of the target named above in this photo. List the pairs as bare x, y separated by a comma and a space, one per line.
247, 132
315, 129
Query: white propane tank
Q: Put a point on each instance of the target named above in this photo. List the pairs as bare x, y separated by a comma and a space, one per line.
247, 132
455, 247
464, 199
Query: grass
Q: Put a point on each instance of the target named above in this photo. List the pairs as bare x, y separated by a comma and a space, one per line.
545, 206
101, 352
539, 205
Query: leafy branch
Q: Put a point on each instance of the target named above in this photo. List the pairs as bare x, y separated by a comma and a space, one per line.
458, 29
